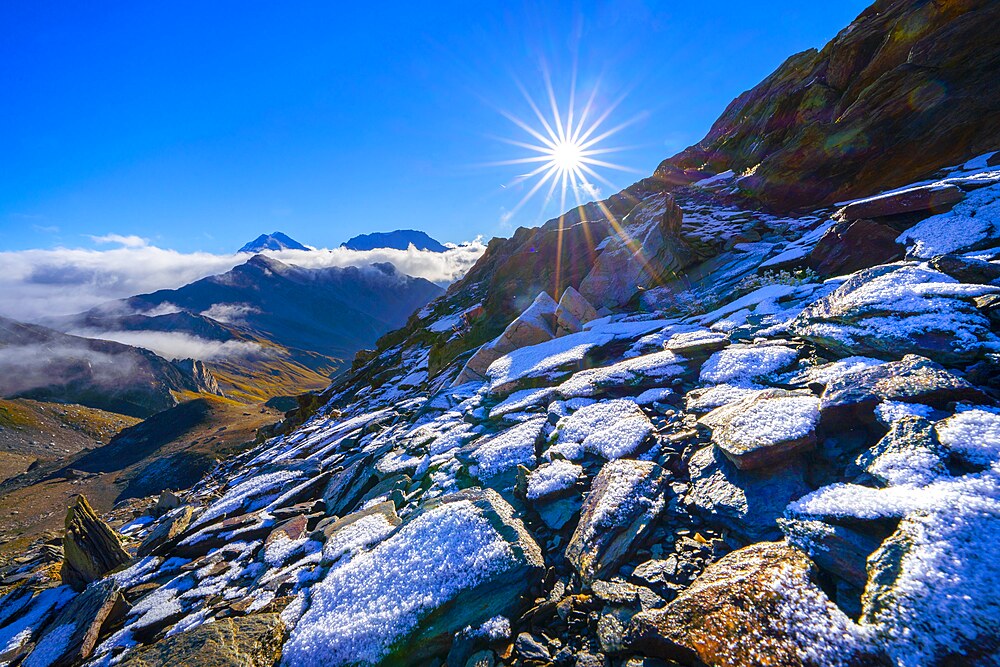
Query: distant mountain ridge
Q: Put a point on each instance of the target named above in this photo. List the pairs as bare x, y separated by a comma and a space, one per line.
272, 241
44, 364
276, 328
399, 239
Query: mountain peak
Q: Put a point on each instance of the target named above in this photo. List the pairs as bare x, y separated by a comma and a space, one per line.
399, 239
273, 241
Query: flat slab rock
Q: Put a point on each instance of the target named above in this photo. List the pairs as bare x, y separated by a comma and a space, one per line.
931, 198
459, 561
764, 430
758, 601
626, 497
914, 379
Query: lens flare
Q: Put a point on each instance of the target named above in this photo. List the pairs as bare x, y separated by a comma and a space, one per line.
566, 148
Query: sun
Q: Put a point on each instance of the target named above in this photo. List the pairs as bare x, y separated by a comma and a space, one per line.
565, 147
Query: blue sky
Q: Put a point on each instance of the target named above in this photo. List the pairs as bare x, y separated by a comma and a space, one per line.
200, 125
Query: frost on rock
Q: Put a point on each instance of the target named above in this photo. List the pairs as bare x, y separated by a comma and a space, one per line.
645, 371
543, 360
499, 453
898, 309
934, 585
888, 412
364, 608
553, 478
611, 429
742, 364
972, 221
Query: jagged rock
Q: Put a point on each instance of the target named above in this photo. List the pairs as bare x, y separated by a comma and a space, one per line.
535, 325
893, 310
90, 547
530, 648
459, 561
765, 429
625, 499
930, 198
852, 398
197, 376
851, 246
348, 484
696, 344
836, 549
758, 605
73, 634
627, 264
243, 641
166, 531
747, 502
197, 542
967, 269
572, 312
327, 529
908, 454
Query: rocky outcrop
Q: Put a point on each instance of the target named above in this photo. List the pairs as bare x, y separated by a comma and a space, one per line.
572, 312
927, 199
757, 605
90, 547
904, 90
642, 256
197, 376
535, 325
851, 246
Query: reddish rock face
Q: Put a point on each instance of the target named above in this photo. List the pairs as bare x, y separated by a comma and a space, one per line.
908, 88
931, 198
851, 246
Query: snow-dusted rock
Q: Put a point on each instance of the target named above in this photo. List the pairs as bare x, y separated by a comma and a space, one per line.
572, 312
893, 310
765, 429
535, 325
934, 198
460, 561
908, 454
625, 499
636, 373
611, 429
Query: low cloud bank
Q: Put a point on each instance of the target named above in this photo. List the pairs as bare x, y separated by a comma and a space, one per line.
36, 284
177, 345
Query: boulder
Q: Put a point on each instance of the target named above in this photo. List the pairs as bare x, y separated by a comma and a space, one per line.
851, 246
852, 398
764, 430
647, 252
572, 312
929, 198
967, 269
626, 498
243, 641
459, 561
746, 502
757, 605
90, 547
73, 634
892, 310
536, 324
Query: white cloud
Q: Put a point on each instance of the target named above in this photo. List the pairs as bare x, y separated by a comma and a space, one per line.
130, 241
35, 284
229, 313
176, 345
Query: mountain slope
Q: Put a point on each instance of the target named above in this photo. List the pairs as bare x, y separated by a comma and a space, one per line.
721, 449
920, 76
400, 239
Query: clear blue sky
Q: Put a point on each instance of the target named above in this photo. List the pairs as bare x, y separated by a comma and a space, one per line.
202, 124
